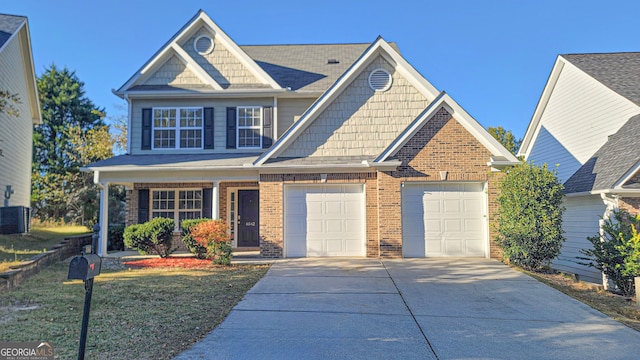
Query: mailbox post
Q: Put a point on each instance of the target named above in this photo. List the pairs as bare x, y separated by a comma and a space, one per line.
85, 267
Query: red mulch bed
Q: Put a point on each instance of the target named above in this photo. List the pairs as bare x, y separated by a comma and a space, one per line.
171, 262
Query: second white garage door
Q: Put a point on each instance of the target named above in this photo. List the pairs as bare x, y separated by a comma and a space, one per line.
324, 220
444, 219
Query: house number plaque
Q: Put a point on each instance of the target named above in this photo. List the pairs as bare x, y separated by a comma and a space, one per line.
250, 223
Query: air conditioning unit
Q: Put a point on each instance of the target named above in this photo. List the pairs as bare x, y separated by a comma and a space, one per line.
14, 219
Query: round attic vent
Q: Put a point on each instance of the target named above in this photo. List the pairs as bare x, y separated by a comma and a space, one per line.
203, 44
380, 80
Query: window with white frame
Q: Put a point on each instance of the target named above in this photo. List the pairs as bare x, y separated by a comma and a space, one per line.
177, 204
249, 127
177, 128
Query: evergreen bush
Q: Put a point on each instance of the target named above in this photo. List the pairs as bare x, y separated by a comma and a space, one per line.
192, 245
529, 218
154, 235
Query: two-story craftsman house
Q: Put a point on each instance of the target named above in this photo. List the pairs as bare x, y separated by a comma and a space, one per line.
305, 150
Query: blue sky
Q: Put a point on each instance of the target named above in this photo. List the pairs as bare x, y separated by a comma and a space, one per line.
493, 57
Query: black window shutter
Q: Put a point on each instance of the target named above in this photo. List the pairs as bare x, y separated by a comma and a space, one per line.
267, 127
207, 195
231, 128
146, 129
208, 128
143, 206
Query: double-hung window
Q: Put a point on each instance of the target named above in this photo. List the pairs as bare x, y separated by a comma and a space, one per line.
177, 205
249, 133
177, 128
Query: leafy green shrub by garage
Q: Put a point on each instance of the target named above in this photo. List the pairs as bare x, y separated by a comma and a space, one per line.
116, 237
154, 235
192, 245
529, 218
617, 252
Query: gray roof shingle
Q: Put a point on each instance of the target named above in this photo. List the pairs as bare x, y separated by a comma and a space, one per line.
619, 72
9, 24
607, 166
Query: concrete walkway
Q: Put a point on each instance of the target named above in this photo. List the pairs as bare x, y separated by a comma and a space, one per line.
410, 309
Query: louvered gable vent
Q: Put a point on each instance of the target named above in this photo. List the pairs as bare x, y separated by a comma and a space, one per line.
380, 80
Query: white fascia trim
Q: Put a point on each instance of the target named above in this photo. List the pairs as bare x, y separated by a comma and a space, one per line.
411, 130
617, 192
27, 59
627, 176
160, 168
204, 93
379, 46
466, 120
534, 124
195, 67
232, 47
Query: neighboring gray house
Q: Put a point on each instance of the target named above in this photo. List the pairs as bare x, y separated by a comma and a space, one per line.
17, 76
305, 150
587, 123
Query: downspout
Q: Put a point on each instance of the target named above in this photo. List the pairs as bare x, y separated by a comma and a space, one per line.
129, 112
611, 204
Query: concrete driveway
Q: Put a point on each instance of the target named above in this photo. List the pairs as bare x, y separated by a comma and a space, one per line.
411, 309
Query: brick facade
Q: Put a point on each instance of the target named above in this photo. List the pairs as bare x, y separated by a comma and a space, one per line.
443, 144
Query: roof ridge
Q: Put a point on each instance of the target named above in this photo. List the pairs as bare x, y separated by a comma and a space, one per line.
309, 44
603, 53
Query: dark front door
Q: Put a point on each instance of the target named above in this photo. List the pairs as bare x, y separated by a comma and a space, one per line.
248, 218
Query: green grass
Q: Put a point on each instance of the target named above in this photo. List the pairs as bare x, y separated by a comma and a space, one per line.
17, 247
136, 313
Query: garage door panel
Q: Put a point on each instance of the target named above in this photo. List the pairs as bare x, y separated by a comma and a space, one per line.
449, 222
333, 218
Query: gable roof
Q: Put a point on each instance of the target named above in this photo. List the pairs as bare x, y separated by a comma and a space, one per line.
306, 67
14, 26
501, 156
378, 48
172, 47
612, 165
619, 72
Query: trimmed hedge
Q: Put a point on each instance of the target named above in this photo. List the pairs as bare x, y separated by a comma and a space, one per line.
154, 235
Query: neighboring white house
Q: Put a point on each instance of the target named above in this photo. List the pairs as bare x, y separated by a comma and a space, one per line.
17, 76
586, 124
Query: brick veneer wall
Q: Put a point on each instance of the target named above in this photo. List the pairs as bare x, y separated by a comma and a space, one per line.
223, 186
442, 144
629, 204
271, 207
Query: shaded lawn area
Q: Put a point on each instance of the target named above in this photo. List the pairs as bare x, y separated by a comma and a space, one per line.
16, 247
148, 313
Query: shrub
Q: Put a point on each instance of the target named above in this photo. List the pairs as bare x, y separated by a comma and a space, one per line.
134, 238
617, 252
154, 235
160, 233
116, 237
192, 245
213, 235
529, 218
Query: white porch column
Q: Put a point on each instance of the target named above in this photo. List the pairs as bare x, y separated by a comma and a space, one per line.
215, 207
104, 219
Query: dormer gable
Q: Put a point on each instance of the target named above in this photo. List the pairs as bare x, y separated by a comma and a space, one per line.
201, 57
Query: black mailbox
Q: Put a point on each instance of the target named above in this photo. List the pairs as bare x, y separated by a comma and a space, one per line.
85, 267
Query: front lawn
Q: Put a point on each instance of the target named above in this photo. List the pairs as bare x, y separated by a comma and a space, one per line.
136, 313
15, 248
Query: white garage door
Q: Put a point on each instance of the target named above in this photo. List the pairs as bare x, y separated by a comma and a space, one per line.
444, 220
324, 220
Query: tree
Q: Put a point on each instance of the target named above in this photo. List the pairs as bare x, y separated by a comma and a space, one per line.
506, 138
119, 130
72, 135
529, 217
